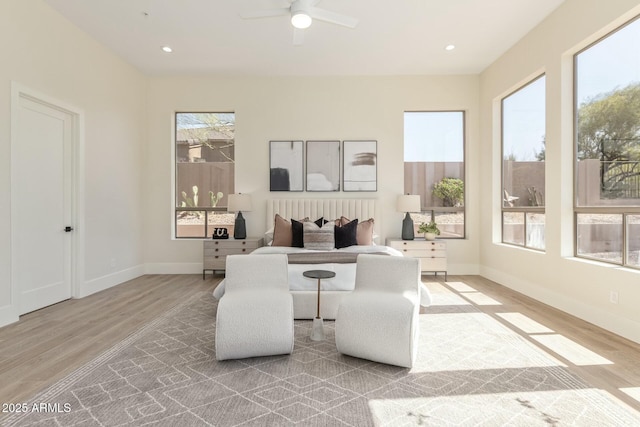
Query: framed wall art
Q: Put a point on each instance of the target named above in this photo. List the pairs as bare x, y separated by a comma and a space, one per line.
286, 166
323, 165
360, 166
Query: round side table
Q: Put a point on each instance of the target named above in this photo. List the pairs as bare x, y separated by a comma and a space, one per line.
317, 331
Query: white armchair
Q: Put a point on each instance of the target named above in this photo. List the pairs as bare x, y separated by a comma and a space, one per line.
379, 320
255, 315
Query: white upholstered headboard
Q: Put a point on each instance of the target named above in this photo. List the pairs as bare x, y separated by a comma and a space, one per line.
315, 208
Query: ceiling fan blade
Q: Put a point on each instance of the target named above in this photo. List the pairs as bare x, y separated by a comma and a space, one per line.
298, 36
332, 17
265, 13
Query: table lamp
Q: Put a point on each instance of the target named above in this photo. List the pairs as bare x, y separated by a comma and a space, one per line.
408, 203
238, 203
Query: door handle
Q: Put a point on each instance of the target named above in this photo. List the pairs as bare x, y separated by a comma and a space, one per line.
68, 229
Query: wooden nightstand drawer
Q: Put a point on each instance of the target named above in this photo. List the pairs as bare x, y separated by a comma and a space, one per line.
432, 253
215, 252
433, 264
214, 263
226, 251
232, 244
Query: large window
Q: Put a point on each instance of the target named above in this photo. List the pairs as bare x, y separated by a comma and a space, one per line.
607, 150
523, 175
434, 168
204, 144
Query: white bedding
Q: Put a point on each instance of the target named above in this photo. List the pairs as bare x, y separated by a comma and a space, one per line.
345, 273
344, 279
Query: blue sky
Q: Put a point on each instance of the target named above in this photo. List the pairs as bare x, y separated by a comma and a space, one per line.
434, 136
612, 63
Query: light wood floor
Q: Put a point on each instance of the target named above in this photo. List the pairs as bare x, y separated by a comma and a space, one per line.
48, 344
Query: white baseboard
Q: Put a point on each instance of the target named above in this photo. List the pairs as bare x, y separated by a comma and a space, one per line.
626, 328
463, 269
173, 268
105, 282
8, 315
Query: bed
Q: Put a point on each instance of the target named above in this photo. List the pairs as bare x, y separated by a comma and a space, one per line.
341, 261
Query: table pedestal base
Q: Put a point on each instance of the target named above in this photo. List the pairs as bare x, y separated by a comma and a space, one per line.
317, 330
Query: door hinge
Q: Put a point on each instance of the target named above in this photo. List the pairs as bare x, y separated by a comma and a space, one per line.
68, 229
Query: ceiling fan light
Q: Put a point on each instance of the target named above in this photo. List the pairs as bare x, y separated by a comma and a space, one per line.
301, 20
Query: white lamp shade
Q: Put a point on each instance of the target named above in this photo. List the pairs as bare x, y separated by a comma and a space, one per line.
408, 203
239, 202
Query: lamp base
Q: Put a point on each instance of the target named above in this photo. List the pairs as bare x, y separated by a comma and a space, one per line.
407, 228
239, 228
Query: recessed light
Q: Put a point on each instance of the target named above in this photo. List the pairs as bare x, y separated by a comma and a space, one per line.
450, 47
167, 49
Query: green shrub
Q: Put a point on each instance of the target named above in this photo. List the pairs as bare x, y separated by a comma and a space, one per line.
450, 190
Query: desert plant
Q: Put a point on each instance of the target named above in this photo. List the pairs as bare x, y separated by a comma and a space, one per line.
215, 198
450, 190
191, 202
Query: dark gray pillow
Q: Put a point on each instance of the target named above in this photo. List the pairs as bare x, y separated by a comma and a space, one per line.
347, 234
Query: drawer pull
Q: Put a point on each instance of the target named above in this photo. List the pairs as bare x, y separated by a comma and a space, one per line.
404, 250
432, 249
244, 250
404, 243
216, 249
216, 243
216, 257
244, 243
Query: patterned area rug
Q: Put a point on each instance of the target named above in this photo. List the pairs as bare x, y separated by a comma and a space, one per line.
472, 370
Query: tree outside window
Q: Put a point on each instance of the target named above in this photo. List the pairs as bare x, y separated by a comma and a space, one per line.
607, 138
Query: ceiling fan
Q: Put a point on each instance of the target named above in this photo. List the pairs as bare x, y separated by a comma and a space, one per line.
302, 13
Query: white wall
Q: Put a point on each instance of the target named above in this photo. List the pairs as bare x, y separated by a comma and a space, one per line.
303, 108
555, 277
128, 151
44, 52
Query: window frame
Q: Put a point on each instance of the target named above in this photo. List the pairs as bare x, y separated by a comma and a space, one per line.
624, 211
431, 211
208, 210
520, 209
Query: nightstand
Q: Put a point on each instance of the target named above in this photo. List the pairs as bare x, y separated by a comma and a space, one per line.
432, 253
216, 251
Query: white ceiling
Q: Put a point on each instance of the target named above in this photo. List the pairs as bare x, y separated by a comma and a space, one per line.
402, 37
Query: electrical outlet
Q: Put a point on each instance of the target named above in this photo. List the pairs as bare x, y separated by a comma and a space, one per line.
613, 297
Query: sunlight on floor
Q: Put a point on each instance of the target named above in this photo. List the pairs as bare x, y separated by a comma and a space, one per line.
570, 350
524, 323
634, 392
461, 287
471, 294
567, 406
479, 298
443, 296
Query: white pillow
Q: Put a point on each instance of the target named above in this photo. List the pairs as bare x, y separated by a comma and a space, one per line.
319, 238
268, 236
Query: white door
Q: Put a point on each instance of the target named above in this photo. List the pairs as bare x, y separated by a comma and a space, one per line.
41, 197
